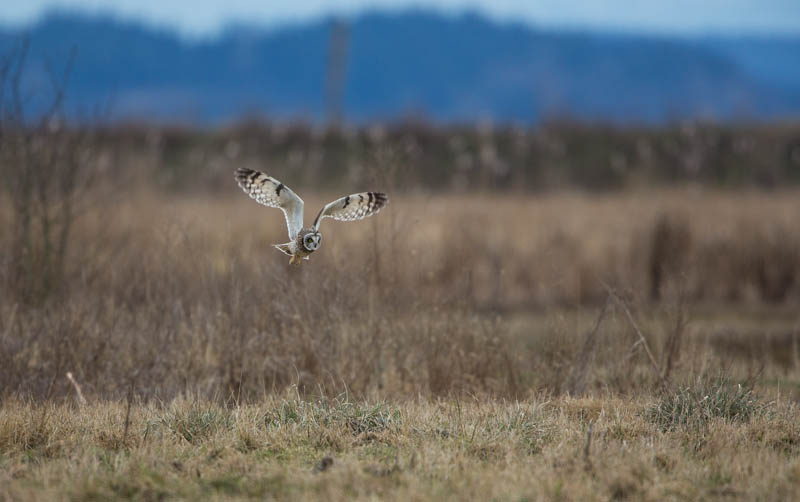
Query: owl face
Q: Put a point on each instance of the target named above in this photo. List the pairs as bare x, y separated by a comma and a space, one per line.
312, 241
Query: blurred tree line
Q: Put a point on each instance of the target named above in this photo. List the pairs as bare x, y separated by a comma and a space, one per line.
462, 158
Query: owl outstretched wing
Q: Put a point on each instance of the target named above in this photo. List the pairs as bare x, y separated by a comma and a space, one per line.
271, 192
353, 207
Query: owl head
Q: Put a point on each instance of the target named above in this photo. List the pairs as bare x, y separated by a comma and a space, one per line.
312, 241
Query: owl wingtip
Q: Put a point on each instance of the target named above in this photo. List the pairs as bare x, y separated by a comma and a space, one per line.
240, 175
379, 199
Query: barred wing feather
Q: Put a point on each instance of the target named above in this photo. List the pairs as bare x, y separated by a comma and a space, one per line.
270, 192
353, 207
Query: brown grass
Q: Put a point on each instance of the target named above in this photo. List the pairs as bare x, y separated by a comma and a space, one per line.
437, 295
429, 352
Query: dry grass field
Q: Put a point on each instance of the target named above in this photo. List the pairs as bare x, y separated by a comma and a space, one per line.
441, 294
482, 347
640, 344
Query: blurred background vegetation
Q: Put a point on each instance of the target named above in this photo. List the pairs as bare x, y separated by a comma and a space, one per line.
597, 245
459, 159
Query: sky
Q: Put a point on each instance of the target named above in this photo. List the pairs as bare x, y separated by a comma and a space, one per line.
207, 17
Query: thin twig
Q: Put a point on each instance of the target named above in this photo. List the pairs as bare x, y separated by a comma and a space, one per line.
581, 366
588, 445
128, 411
672, 345
16, 78
59, 84
635, 326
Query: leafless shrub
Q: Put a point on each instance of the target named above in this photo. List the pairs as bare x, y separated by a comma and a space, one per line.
44, 166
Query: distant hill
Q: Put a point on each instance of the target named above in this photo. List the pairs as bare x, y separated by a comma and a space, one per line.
416, 63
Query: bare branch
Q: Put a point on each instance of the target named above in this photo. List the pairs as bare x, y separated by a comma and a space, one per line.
16, 83
642, 340
59, 85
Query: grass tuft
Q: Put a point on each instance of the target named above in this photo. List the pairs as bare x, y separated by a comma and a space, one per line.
698, 406
357, 418
196, 423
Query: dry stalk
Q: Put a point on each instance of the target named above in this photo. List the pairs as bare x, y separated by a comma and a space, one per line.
586, 355
128, 411
672, 344
587, 447
81, 399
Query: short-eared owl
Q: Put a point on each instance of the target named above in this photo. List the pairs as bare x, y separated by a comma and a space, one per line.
304, 241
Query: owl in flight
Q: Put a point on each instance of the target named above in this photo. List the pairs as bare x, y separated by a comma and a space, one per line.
304, 241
